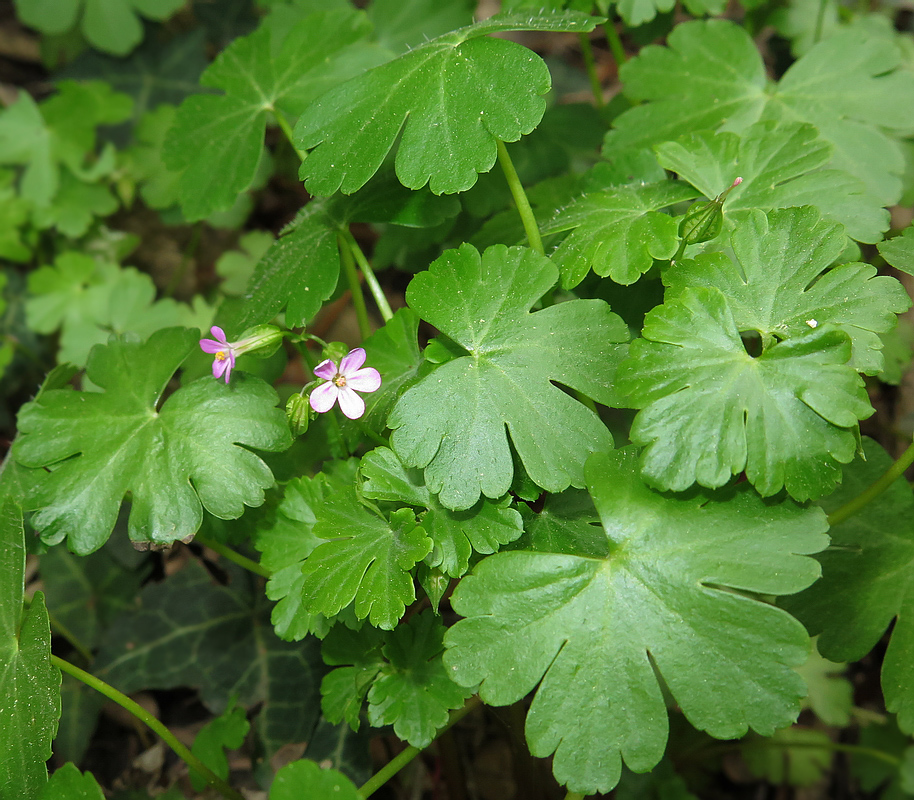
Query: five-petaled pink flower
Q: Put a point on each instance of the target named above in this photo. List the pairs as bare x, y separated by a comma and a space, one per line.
223, 352
343, 383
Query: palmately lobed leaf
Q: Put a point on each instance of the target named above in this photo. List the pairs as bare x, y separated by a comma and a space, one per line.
449, 100
189, 455
710, 410
455, 422
675, 595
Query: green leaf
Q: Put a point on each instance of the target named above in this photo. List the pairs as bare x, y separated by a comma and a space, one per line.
710, 410
76, 206
29, 685
366, 560
793, 756
236, 267
456, 534
866, 582
568, 523
899, 251
358, 660
225, 732
260, 75
189, 454
113, 26
401, 25
781, 165
455, 422
850, 87
413, 692
68, 783
85, 594
308, 779
779, 283
190, 631
448, 100
831, 695
158, 184
618, 232
674, 600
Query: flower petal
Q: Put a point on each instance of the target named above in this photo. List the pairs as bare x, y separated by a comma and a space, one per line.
364, 380
352, 361
323, 397
326, 370
350, 403
219, 334
221, 366
212, 346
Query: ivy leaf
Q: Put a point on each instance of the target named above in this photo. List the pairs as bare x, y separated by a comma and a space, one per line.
866, 581
710, 410
29, 684
842, 86
455, 422
367, 560
448, 100
110, 25
258, 75
674, 596
189, 631
189, 454
456, 534
782, 165
618, 232
778, 284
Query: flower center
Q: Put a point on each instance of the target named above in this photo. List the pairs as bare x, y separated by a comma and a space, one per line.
339, 380
220, 356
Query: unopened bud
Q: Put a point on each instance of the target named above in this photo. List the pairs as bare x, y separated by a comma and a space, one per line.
261, 341
704, 221
298, 412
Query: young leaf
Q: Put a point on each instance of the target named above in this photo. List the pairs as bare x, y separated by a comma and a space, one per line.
190, 454
673, 597
68, 783
367, 560
456, 534
449, 100
225, 732
618, 232
29, 685
413, 691
866, 582
190, 631
849, 86
780, 284
110, 25
899, 250
358, 660
455, 422
710, 410
308, 779
260, 75
781, 165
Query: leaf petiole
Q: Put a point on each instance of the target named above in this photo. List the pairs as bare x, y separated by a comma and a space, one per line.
352, 278
891, 475
520, 199
376, 291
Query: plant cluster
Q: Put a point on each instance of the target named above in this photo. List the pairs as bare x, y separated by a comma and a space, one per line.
604, 463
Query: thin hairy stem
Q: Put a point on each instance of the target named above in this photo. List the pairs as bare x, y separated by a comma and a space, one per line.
867, 496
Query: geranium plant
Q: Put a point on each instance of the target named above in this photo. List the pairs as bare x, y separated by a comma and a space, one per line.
625, 446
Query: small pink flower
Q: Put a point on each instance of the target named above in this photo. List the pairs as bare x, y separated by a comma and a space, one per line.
223, 353
343, 383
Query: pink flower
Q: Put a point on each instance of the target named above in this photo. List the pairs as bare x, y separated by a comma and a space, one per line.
343, 383
223, 353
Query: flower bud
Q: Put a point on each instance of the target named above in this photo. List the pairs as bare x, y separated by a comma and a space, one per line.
261, 341
298, 412
434, 582
335, 351
704, 221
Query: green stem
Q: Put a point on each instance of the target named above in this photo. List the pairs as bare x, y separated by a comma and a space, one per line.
850, 749
236, 558
891, 475
352, 278
399, 761
157, 727
615, 43
286, 128
520, 199
591, 66
376, 292
820, 21
575, 796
